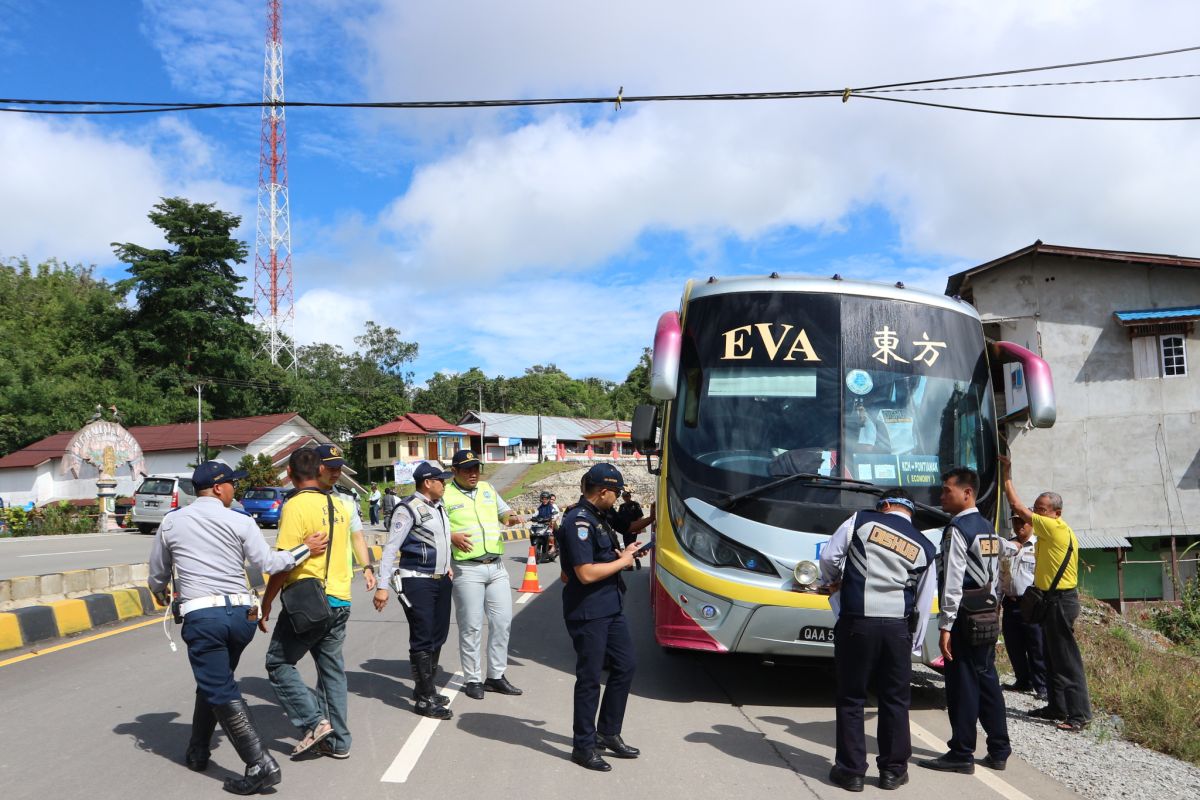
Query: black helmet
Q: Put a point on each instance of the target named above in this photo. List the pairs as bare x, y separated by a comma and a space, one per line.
545, 496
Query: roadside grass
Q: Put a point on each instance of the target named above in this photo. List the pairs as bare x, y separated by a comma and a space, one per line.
535, 473
1155, 690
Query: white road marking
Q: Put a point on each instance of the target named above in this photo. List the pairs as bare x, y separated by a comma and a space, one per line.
525, 598
987, 777
66, 553
411, 752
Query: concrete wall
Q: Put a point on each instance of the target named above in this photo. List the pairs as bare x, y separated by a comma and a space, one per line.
1124, 453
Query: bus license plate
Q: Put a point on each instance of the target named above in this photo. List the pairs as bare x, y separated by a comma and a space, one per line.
812, 633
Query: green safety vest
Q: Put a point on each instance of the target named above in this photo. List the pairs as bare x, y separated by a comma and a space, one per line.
478, 517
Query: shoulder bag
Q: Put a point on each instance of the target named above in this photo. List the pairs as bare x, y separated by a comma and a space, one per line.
982, 612
305, 601
1033, 603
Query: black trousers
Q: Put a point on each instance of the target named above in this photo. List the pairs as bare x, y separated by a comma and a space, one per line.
1023, 642
428, 612
599, 644
872, 652
973, 694
1064, 664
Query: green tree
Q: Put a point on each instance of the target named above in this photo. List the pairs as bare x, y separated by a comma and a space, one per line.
635, 390
189, 321
261, 473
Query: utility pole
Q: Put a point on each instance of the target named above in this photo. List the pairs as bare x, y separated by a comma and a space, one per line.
199, 423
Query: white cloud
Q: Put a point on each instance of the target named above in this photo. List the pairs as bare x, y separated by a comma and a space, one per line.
565, 190
72, 187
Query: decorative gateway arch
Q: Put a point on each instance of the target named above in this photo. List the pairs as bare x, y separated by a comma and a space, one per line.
106, 446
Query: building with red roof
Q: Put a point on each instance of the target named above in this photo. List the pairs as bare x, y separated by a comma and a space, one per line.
410, 438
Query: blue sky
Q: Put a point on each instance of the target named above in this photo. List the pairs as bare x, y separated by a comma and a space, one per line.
502, 239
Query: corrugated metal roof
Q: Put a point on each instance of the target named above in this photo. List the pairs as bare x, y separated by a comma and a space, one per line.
157, 438
1097, 541
525, 426
1180, 313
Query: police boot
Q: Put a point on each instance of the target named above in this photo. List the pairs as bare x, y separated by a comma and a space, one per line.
204, 722
261, 769
423, 695
440, 699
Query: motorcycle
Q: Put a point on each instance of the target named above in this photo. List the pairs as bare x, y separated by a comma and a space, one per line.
541, 536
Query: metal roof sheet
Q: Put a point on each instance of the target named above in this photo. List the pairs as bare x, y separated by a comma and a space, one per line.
1097, 541
1179, 313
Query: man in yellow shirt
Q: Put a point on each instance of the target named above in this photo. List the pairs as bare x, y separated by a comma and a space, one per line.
321, 715
1067, 684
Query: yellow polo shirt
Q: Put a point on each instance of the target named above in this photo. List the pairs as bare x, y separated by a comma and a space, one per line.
1053, 537
307, 513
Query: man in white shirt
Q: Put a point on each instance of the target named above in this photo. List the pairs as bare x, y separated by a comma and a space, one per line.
1022, 639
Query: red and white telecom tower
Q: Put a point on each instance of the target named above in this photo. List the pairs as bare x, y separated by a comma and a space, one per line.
273, 309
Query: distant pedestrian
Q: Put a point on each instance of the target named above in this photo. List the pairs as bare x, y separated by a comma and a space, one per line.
390, 499
418, 554
481, 586
629, 520
1022, 638
593, 608
878, 565
968, 561
1057, 550
373, 500
316, 507
206, 546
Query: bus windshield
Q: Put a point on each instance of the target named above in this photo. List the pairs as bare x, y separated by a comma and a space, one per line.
778, 383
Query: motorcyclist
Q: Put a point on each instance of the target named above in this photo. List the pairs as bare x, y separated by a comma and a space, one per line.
546, 514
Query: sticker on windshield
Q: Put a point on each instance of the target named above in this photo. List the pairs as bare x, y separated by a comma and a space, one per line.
859, 381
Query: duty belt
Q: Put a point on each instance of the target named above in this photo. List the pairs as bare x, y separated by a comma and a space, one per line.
216, 601
412, 573
483, 560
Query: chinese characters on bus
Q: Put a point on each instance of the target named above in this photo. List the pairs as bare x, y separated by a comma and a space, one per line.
886, 341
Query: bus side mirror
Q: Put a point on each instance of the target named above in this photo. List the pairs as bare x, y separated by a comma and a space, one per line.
643, 432
664, 362
1039, 383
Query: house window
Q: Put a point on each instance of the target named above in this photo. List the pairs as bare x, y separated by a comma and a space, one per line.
392, 449
1162, 356
376, 451
1173, 356
413, 448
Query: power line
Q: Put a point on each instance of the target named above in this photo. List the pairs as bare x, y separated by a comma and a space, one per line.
111, 107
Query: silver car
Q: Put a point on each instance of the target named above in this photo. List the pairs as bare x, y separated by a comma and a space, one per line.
158, 495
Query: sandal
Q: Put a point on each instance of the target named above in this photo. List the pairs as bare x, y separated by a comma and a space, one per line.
1073, 727
312, 737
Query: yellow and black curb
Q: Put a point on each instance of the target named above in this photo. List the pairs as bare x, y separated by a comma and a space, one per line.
21, 627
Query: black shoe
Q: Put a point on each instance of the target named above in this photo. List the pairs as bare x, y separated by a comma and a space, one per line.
590, 759
262, 771
500, 685
992, 762
1045, 712
473, 690
425, 694
204, 722
944, 764
851, 783
1017, 687
428, 707
617, 746
892, 780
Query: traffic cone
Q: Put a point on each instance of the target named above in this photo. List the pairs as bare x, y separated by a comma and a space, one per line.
531, 585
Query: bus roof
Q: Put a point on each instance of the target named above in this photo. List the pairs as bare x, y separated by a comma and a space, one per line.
810, 285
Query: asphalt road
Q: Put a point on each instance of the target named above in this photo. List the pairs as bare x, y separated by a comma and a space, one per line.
109, 717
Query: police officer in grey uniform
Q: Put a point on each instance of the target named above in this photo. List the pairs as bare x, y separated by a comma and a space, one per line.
420, 540
206, 546
878, 565
969, 559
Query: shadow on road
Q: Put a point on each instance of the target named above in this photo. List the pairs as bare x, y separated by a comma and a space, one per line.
747, 746
524, 732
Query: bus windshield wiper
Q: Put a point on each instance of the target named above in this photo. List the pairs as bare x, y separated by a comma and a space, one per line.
821, 482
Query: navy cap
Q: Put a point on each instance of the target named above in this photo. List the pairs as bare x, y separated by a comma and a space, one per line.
210, 473
605, 476
426, 471
465, 458
331, 456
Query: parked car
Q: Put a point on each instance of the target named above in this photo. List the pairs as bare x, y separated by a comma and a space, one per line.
158, 495
264, 503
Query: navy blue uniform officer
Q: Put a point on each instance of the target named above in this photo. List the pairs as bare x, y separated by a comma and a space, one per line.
593, 610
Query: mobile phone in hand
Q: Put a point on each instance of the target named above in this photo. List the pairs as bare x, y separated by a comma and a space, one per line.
641, 551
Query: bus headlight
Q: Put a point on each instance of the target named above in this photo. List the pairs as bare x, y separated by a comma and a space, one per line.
806, 573
712, 548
